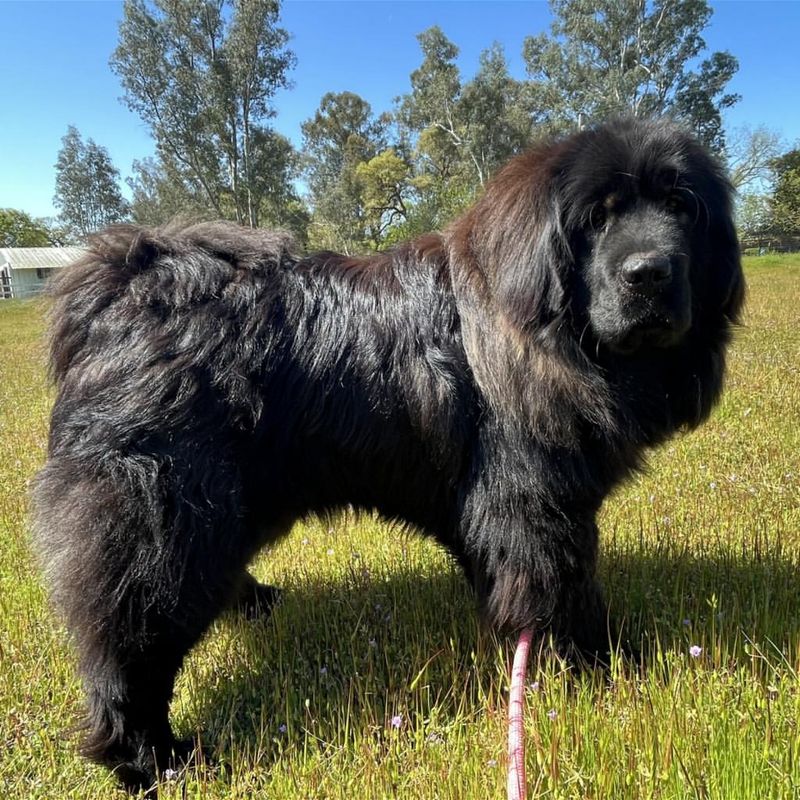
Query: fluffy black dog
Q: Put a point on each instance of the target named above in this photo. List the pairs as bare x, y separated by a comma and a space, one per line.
490, 385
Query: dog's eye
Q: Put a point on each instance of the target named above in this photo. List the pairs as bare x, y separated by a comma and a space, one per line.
602, 210
598, 216
674, 202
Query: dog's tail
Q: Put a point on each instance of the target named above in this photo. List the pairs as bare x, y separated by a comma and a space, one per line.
159, 267
83, 291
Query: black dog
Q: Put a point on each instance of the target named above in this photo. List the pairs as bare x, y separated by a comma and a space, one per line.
490, 385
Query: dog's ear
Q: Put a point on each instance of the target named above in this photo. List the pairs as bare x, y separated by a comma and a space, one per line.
518, 243
531, 272
509, 261
721, 282
727, 277
695, 383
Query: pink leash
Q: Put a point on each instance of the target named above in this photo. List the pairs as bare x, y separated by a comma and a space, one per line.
517, 787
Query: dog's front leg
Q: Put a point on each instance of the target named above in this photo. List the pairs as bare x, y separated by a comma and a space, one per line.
537, 570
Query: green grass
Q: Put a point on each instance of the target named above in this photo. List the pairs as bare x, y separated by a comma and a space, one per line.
704, 550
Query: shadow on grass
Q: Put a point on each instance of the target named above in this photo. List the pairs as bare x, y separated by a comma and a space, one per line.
339, 659
346, 648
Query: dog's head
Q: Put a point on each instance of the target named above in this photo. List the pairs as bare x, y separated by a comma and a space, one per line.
624, 230
649, 217
614, 243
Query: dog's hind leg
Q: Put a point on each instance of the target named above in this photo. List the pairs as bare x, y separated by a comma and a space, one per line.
140, 564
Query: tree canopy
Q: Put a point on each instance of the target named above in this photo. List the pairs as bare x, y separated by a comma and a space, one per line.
87, 186
640, 57
342, 134
202, 74
786, 196
18, 229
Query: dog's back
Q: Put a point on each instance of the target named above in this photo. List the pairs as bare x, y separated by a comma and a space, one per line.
211, 387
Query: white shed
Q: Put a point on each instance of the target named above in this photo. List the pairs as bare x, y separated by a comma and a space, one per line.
25, 270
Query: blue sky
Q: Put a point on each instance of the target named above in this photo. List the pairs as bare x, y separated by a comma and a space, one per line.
55, 69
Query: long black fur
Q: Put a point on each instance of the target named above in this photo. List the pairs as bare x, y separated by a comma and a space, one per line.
214, 385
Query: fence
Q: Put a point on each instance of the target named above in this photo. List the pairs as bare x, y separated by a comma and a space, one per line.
770, 243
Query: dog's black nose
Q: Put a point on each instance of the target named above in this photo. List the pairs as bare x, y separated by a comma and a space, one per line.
646, 272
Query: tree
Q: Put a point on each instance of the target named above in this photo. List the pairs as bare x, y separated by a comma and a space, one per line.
429, 111
342, 134
496, 124
606, 57
273, 165
786, 196
87, 188
159, 195
431, 134
383, 189
457, 134
754, 218
750, 153
202, 74
18, 229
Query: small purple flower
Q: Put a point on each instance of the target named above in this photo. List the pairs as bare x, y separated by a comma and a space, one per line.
687, 622
535, 686
695, 651
323, 670
397, 721
282, 727
552, 713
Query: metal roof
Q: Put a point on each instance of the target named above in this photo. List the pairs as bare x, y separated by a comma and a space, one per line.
39, 257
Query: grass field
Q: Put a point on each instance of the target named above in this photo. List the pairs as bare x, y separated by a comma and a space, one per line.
373, 680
